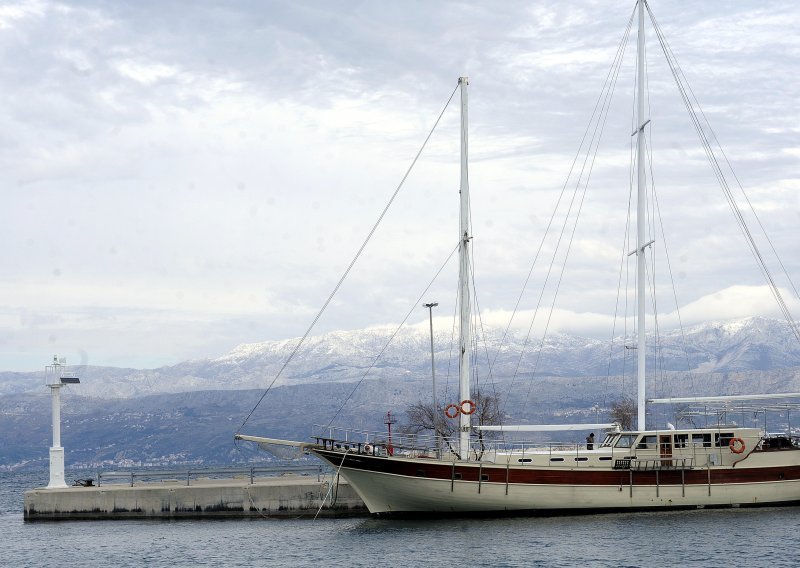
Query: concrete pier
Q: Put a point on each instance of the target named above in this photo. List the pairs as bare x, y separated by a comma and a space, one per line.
265, 497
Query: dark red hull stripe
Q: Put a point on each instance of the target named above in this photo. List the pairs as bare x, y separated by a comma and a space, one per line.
557, 476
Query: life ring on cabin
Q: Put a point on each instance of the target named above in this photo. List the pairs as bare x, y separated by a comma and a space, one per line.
736, 445
453, 407
389, 450
472, 406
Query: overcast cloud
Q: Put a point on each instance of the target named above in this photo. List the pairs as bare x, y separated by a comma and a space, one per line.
182, 177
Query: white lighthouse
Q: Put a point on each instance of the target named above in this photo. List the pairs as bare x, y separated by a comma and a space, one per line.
55, 378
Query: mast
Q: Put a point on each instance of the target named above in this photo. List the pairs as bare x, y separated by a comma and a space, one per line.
463, 283
640, 226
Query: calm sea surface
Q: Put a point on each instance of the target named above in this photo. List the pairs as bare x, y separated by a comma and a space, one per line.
734, 537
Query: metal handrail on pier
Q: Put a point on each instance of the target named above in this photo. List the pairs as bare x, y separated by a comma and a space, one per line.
219, 473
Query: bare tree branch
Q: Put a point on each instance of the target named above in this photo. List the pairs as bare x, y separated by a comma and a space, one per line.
421, 417
623, 411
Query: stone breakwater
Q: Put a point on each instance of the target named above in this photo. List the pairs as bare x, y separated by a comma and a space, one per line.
267, 497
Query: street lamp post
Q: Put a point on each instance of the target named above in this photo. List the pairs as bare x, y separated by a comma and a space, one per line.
430, 307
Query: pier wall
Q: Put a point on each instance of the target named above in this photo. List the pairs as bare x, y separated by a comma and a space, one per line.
274, 497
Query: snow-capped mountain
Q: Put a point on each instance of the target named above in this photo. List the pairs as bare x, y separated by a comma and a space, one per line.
751, 344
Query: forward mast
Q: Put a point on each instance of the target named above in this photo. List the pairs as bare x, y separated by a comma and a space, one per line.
464, 295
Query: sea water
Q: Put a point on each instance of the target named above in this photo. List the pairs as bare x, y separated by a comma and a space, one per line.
727, 537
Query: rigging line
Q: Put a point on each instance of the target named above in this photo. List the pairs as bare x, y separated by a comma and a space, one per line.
572, 235
672, 279
563, 190
623, 257
560, 278
658, 351
352, 262
711, 156
730, 166
452, 344
626, 246
486, 350
595, 142
658, 358
396, 331
605, 96
750, 205
650, 278
658, 355
471, 273
490, 376
601, 126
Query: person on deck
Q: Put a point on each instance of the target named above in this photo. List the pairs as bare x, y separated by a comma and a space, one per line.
590, 441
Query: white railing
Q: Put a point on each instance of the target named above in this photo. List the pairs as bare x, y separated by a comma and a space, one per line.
424, 445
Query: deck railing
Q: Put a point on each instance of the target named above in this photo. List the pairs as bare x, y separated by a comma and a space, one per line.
425, 445
685, 456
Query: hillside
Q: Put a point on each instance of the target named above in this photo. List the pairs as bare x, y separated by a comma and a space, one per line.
752, 344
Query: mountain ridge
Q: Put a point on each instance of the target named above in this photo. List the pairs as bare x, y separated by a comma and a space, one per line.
749, 344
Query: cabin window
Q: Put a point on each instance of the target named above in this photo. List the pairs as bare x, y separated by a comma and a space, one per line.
647, 443
420, 473
701, 440
625, 441
681, 440
525, 460
484, 477
723, 440
556, 459
605, 458
456, 476
608, 442
581, 459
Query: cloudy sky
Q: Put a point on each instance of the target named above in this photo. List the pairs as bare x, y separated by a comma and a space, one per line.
182, 177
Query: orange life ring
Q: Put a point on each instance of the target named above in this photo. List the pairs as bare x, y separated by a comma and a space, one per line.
471, 405
447, 410
733, 445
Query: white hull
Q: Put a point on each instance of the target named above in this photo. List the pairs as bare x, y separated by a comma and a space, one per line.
605, 479
389, 493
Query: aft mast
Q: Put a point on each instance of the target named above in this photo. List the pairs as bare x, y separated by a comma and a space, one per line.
640, 227
464, 297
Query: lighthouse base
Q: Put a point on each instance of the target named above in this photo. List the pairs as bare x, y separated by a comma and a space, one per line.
56, 468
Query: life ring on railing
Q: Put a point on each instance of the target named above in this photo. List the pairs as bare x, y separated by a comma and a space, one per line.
472, 406
736, 445
453, 407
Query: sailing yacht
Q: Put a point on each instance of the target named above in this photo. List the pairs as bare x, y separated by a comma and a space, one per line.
638, 469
